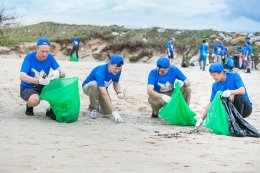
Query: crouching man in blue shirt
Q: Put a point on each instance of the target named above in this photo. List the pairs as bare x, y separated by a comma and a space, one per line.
232, 85
161, 85
97, 83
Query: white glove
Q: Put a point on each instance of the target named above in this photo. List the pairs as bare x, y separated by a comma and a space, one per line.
181, 83
121, 94
43, 81
213, 55
199, 123
55, 74
166, 98
226, 93
117, 117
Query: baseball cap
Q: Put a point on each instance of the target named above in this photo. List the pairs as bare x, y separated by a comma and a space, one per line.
171, 38
216, 67
43, 41
163, 62
117, 59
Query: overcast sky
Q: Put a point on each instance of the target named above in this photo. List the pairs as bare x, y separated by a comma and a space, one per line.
222, 15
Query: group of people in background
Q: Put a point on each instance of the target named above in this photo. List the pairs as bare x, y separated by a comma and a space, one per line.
242, 60
36, 73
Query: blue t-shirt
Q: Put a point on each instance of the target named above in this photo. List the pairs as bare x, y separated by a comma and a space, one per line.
76, 42
243, 51
218, 49
101, 75
225, 52
230, 63
249, 50
233, 81
169, 46
37, 69
165, 83
203, 50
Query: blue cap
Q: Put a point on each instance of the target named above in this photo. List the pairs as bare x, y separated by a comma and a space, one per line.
43, 41
171, 38
117, 59
216, 67
163, 62
248, 42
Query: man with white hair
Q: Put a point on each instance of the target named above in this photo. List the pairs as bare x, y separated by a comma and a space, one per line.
34, 74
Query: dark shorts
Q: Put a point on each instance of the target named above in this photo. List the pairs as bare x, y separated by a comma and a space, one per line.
171, 56
26, 93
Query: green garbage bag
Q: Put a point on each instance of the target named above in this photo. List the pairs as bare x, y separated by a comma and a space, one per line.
73, 58
177, 112
63, 96
217, 119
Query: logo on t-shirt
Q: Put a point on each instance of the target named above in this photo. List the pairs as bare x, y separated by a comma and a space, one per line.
40, 74
165, 87
107, 83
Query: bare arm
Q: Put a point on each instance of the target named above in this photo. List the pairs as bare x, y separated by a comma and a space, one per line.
153, 93
26, 78
117, 87
206, 111
238, 91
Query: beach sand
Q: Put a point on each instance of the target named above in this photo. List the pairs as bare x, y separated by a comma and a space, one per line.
140, 144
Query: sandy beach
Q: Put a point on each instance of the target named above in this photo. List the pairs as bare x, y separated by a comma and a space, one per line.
140, 144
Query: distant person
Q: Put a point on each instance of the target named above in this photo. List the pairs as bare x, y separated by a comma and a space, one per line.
218, 51
160, 85
230, 63
34, 74
203, 55
75, 45
96, 87
170, 49
248, 56
243, 56
232, 86
225, 55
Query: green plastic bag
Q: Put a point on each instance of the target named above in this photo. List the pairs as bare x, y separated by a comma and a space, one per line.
217, 119
177, 112
73, 58
63, 96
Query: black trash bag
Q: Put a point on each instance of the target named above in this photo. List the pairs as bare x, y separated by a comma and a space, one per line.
237, 125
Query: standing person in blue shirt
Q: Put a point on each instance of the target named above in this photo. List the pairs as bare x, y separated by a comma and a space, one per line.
160, 85
248, 55
243, 55
34, 74
218, 51
96, 87
170, 49
225, 53
232, 85
75, 45
204, 49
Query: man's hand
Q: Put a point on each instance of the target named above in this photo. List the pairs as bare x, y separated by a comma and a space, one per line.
181, 83
166, 98
117, 117
199, 123
226, 93
43, 81
55, 74
121, 94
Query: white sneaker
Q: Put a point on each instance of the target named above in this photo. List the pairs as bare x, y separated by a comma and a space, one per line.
93, 114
